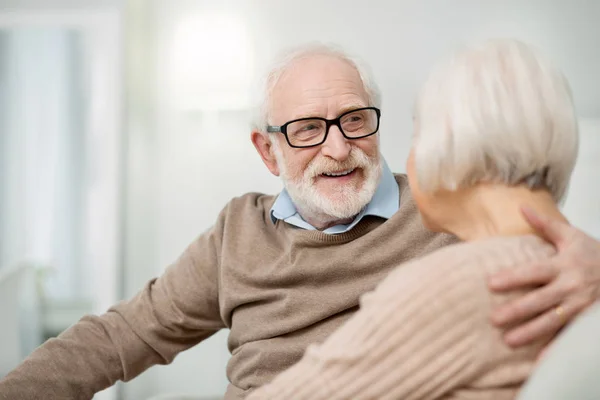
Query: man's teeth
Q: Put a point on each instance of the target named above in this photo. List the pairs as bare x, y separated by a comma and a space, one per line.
339, 173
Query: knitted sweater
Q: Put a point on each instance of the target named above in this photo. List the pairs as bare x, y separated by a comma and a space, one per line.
276, 287
424, 333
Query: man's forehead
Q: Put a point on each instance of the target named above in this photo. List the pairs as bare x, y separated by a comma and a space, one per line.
317, 85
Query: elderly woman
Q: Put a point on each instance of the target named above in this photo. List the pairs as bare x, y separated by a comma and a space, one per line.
495, 129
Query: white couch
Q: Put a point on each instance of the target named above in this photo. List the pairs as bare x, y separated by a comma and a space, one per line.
571, 367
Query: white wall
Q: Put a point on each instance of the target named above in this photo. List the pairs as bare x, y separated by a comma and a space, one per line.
204, 157
582, 206
89, 256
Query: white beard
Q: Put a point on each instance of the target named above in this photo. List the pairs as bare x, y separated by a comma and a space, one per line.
347, 202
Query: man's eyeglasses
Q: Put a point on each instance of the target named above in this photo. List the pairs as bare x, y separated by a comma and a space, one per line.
309, 132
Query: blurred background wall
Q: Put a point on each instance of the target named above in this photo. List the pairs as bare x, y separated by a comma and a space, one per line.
124, 129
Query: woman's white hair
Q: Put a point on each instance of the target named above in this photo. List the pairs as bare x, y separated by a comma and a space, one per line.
498, 112
286, 59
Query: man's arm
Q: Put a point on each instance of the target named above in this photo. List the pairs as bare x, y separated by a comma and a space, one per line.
171, 314
568, 284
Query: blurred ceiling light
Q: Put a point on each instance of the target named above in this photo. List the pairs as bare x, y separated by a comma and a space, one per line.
211, 63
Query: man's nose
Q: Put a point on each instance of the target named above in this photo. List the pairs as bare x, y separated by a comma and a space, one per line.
336, 146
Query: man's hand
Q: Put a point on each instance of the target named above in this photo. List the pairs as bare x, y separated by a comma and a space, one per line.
568, 283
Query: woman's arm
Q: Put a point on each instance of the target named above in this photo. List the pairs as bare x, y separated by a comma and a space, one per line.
418, 335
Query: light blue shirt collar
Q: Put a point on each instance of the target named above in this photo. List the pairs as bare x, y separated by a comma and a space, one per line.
384, 204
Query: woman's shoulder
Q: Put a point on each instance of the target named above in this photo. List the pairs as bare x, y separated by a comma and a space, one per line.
496, 252
466, 265
447, 292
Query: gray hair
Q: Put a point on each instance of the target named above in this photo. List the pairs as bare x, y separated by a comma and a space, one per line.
498, 112
289, 57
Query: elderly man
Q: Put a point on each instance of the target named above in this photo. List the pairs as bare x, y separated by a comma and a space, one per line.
283, 272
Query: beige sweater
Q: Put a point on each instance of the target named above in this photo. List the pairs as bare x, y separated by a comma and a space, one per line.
424, 333
278, 289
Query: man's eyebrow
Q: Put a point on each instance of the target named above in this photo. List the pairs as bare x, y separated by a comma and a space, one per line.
345, 109
351, 107
307, 115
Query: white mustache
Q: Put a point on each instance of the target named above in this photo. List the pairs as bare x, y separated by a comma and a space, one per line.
317, 167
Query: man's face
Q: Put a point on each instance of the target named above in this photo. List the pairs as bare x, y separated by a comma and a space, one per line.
338, 178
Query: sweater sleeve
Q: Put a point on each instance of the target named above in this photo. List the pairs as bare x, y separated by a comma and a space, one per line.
418, 335
171, 314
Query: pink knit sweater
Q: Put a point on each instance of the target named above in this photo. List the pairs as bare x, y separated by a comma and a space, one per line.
423, 333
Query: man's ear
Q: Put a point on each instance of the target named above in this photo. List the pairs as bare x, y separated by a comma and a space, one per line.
263, 145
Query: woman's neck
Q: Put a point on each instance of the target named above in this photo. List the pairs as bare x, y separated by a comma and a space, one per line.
494, 210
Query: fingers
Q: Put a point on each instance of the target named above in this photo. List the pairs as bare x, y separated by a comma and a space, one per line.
517, 278
548, 323
552, 229
528, 306
535, 220
542, 354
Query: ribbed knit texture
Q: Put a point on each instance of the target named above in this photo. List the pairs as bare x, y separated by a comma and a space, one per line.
278, 288
424, 333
